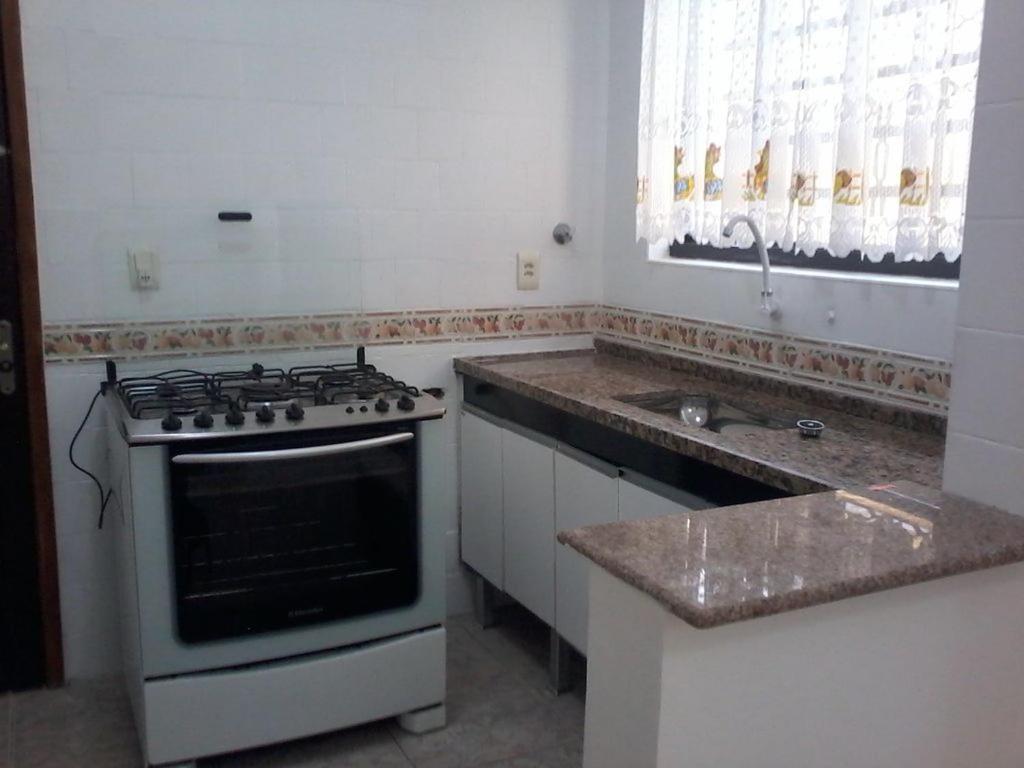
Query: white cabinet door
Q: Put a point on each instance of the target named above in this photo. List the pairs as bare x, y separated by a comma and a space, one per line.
640, 497
528, 488
586, 493
481, 498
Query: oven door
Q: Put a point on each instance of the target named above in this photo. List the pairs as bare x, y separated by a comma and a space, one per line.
289, 531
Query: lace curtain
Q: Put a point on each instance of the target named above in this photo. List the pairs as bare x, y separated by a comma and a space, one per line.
835, 124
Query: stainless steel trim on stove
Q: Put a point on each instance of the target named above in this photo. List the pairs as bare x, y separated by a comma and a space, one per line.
150, 431
284, 454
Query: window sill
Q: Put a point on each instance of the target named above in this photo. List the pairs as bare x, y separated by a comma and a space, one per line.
814, 274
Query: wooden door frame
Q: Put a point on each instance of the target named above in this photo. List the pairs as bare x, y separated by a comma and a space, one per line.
32, 332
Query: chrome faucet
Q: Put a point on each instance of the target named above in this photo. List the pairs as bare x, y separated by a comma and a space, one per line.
768, 304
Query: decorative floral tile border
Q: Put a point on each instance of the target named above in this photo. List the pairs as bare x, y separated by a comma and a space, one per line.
896, 378
68, 343
905, 380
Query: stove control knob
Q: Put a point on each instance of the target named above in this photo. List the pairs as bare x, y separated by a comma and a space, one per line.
203, 420
363, 409
235, 417
350, 409
382, 406
171, 422
265, 414
295, 412
406, 403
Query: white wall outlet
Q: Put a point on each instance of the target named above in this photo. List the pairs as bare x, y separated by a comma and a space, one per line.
528, 270
144, 268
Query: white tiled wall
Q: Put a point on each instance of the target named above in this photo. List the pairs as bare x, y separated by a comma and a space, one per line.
903, 317
395, 153
985, 447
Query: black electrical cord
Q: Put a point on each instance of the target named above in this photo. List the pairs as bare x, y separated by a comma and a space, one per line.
104, 495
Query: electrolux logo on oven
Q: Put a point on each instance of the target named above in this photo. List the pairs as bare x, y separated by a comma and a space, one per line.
299, 613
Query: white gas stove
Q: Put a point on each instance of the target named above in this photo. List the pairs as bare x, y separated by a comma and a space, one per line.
282, 573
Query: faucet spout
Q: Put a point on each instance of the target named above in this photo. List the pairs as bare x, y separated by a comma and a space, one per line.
768, 304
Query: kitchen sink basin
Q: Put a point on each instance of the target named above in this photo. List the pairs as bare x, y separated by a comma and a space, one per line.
707, 412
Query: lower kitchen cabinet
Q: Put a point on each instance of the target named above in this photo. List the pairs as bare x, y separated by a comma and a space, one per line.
481, 537
528, 491
518, 489
641, 497
586, 493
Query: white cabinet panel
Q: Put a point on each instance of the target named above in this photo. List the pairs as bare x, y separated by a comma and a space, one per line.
518, 491
641, 497
481, 498
528, 489
585, 494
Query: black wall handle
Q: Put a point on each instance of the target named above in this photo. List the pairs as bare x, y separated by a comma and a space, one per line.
234, 216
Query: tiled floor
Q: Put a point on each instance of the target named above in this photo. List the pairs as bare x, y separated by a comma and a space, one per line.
500, 715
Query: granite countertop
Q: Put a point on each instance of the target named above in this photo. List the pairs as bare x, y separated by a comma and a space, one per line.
872, 517
853, 451
729, 564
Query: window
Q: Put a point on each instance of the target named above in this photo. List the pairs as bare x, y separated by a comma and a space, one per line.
842, 127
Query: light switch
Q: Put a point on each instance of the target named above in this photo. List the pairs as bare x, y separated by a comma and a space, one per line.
528, 270
144, 267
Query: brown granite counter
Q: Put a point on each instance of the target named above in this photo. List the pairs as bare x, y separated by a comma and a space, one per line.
854, 450
729, 564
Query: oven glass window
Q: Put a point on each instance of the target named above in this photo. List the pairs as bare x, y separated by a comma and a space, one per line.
262, 545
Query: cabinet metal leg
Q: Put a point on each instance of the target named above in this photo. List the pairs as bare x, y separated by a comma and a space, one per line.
560, 663
484, 596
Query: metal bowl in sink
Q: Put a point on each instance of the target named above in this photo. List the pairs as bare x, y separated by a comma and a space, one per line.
706, 412
695, 411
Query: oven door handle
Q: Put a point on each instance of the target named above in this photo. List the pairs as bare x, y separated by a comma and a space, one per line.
285, 454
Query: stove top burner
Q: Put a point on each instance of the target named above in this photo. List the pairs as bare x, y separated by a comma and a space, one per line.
179, 392
184, 392
362, 385
250, 396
